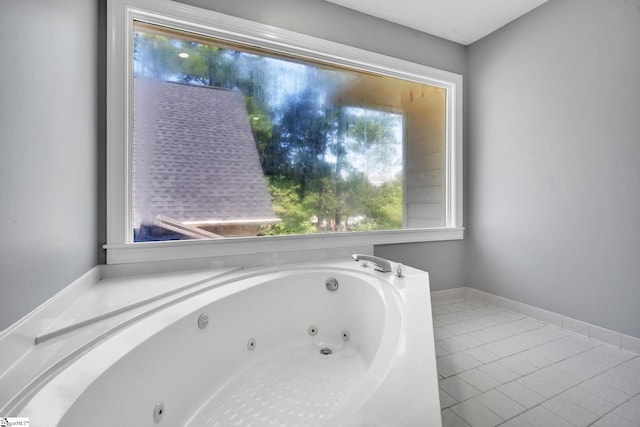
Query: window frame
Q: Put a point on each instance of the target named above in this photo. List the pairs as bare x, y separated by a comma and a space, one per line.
120, 16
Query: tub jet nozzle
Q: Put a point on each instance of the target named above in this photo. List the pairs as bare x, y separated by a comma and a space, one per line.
158, 412
332, 284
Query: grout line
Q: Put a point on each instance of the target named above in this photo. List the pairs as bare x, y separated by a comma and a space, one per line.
613, 410
566, 357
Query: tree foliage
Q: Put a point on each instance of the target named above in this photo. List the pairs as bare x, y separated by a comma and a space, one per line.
294, 211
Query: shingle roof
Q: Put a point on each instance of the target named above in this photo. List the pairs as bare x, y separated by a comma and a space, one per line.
195, 158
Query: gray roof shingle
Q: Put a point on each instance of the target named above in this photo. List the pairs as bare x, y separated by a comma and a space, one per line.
195, 158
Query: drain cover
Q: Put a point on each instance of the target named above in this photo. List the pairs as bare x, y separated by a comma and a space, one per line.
326, 351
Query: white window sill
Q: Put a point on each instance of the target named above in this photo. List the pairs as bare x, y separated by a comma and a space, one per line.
190, 249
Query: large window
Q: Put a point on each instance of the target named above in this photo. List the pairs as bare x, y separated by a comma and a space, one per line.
231, 130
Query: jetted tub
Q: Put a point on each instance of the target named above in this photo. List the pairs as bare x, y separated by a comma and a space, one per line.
271, 347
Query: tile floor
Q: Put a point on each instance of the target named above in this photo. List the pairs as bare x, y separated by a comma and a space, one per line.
501, 368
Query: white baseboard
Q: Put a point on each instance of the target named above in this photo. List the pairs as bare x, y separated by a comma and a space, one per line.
447, 295
593, 332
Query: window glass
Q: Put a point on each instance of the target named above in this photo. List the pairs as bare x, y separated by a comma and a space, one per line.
231, 140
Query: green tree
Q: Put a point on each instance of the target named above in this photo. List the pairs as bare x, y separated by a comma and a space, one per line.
294, 212
303, 134
373, 132
206, 65
384, 207
155, 56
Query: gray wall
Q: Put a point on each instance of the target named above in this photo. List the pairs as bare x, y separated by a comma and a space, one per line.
553, 151
443, 260
48, 149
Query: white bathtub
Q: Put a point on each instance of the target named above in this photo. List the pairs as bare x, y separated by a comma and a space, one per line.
258, 361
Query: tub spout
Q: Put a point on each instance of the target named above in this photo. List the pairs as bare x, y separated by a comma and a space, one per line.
382, 264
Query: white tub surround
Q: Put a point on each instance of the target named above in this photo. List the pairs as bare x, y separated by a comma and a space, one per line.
254, 355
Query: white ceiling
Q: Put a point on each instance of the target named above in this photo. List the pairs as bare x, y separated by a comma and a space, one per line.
461, 21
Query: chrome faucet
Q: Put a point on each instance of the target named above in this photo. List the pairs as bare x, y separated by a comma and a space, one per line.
382, 264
